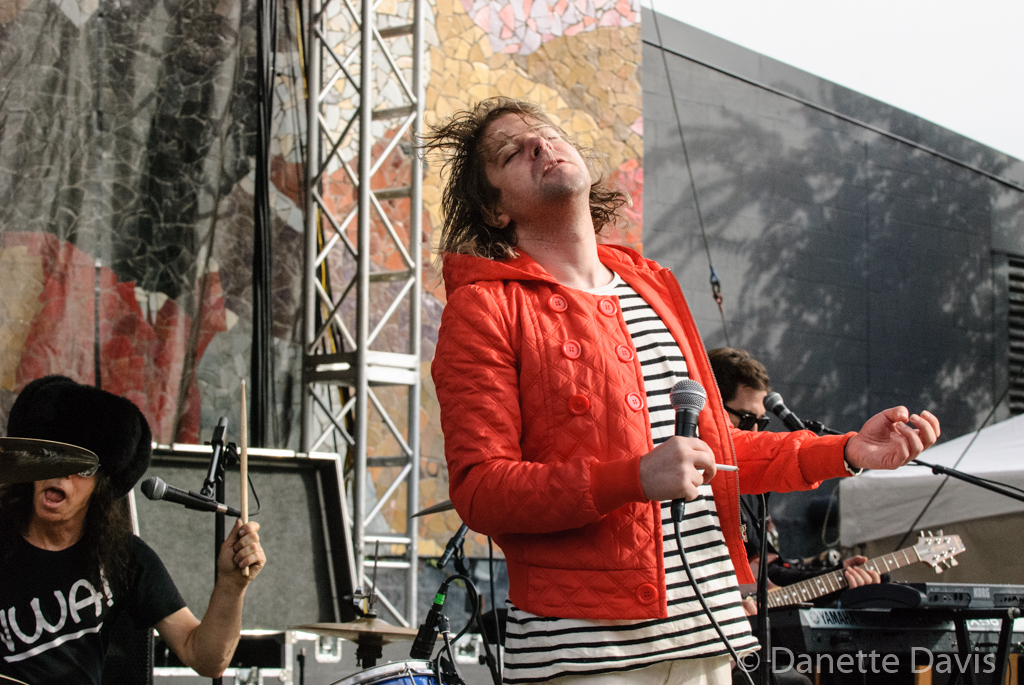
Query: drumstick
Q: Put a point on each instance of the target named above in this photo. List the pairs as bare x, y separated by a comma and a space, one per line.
243, 461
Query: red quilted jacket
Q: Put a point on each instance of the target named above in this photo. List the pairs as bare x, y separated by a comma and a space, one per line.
543, 439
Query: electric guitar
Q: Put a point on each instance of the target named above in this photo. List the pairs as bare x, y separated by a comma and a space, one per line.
937, 551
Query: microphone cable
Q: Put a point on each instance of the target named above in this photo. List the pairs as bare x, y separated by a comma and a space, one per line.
700, 596
474, 598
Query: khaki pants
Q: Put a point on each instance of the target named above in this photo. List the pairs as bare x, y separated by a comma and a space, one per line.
714, 671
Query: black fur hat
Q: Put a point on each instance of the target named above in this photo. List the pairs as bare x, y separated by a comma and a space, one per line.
57, 408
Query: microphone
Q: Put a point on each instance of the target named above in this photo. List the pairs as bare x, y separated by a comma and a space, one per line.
423, 645
453, 546
155, 488
773, 403
688, 399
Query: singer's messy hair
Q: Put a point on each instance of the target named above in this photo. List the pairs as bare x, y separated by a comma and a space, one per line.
733, 368
468, 195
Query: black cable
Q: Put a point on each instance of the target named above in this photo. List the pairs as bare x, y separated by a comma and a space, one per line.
261, 362
478, 619
494, 608
475, 599
1002, 485
703, 603
913, 526
716, 284
763, 633
828, 513
252, 489
448, 647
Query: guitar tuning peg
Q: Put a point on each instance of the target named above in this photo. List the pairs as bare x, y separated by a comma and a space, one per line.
938, 568
930, 534
940, 532
953, 562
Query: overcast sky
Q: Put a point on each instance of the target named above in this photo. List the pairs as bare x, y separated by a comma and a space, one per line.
956, 63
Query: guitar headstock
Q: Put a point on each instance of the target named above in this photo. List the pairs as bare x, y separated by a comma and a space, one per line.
939, 551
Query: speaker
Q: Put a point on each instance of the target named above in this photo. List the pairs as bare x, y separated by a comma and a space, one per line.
299, 502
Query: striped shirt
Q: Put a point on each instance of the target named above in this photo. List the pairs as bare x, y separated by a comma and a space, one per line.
540, 648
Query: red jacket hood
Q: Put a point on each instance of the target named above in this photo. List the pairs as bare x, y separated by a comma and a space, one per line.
461, 269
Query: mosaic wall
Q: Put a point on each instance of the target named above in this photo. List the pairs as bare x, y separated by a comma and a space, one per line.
127, 135
580, 60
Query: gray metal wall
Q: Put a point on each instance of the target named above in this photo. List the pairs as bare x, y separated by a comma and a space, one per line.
864, 271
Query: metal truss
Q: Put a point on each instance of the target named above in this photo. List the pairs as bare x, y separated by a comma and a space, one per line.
362, 304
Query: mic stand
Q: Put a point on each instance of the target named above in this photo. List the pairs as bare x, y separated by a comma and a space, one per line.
446, 667
213, 486
763, 628
455, 550
820, 428
968, 478
457, 543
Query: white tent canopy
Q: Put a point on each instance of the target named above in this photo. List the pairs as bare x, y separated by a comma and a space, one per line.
880, 504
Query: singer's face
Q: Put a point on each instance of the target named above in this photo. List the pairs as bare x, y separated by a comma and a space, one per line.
749, 401
63, 500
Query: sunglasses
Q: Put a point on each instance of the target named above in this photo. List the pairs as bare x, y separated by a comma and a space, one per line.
748, 420
90, 471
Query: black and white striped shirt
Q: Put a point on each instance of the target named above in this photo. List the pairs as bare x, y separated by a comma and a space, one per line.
540, 648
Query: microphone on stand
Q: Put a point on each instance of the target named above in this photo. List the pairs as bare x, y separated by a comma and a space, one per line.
688, 399
773, 403
423, 645
453, 546
155, 488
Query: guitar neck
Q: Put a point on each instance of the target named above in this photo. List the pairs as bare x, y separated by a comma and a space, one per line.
827, 583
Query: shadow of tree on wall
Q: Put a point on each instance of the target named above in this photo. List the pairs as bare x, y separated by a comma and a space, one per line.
856, 267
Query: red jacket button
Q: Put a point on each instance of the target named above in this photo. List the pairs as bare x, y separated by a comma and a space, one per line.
558, 303
607, 306
634, 401
625, 353
647, 594
578, 404
571, 349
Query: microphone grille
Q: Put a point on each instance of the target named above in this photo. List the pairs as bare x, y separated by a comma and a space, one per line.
688, 394
773, 402
153, 488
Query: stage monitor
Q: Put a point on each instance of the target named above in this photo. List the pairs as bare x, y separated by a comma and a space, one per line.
304, 529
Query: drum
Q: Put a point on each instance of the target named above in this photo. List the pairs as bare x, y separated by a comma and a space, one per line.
397, 673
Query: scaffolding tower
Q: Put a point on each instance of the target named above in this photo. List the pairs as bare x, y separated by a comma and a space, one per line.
363, 268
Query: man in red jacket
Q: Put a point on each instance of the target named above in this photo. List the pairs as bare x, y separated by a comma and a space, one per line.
553, 367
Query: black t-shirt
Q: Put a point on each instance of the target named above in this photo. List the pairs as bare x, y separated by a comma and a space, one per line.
55, 621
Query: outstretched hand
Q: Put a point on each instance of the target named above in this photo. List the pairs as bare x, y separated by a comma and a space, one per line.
241, 549
886, 441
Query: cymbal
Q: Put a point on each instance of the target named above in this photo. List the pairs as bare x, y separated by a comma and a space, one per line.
26, 459
436, 509
359, 629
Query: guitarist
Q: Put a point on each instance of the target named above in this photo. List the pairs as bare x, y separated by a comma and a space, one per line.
744, 384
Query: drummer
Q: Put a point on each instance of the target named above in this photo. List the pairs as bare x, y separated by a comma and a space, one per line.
69, 564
